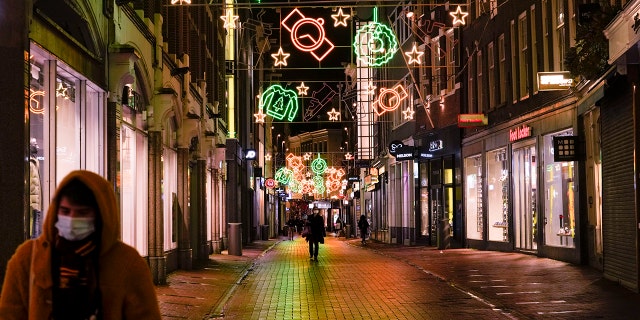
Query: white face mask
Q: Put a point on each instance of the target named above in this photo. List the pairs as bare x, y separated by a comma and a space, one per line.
75, 228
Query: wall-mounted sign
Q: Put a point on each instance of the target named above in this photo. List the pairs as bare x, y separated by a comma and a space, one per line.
550, 81
404, 153
436, 145
250, 154
472, 120
394, 146
521, 132
565, 148
353, 178
270, 183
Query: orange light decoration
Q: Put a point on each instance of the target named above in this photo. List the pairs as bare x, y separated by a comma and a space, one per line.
180, 2
408, 114
340, 18
34, 103
302, 89
458, 16
371, 89
414, 55
333, 115
260, 116
280, 58
389, 99
229, 19
307, 34
61, 91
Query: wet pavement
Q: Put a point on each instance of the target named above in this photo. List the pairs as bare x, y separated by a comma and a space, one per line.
276, 280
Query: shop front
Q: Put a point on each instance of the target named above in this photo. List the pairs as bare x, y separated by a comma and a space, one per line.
520, 194
437, 174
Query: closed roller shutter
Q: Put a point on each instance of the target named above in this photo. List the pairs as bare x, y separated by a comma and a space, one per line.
618, 204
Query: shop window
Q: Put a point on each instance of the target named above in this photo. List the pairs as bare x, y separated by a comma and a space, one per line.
473, 197
170, 186
498, 195
66, 111
560, 197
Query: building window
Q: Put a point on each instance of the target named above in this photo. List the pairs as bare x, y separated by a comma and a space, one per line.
451, 61
492, 76
534, 50
498, 195
523, 59
559, 34
545, 35
66, 119
473, 194
471, 96
502, 69
514, 65
560, 198
479, 67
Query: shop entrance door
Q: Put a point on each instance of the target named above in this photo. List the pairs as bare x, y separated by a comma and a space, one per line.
436, 214
525, 209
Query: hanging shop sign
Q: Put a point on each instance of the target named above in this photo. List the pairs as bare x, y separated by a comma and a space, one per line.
270, 183
472, 120
250, 154
551, 81
565, 148
519, 133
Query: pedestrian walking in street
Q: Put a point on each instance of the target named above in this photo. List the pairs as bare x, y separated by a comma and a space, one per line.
363, 225
291, 225
78, 268
316, 235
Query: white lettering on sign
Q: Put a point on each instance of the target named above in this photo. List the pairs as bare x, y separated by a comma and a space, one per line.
519, 133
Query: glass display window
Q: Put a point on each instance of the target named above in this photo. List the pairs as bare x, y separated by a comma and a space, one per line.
560, 197
498, 195
473, 196
170, 186
66, 123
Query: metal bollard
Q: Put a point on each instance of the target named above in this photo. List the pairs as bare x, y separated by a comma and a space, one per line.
235, 239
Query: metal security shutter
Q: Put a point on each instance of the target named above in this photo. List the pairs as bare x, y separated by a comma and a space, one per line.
618, 205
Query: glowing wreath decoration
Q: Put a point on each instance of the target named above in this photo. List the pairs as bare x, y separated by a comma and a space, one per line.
375, 44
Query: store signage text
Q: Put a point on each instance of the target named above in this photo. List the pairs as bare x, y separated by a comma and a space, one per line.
549, 81
436, 145
472, 120
519, 133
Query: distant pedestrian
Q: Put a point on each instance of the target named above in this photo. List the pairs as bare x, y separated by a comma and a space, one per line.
363, 225
315, 223
78, 268
291, 225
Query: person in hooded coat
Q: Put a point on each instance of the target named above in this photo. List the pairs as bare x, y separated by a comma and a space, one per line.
78, 268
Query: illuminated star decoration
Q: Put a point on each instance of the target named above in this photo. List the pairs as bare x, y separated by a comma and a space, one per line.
307, 156
408, 114
333, 114
280, 57
458, 16
340, 18
180, 1
302, 89
348, 156
229, 20
414, 55
260, 116
371, 89
267, 157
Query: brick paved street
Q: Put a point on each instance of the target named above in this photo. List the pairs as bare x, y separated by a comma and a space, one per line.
276, 280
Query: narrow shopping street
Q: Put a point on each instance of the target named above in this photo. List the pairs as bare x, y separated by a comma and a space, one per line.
347, 282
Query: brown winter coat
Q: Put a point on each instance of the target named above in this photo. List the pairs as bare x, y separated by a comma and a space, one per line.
125, 280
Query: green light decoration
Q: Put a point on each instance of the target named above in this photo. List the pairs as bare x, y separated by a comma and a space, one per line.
375, 44
284, 175
319, 165
319, 189
295, 186
279, 102
318, 181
